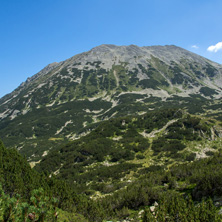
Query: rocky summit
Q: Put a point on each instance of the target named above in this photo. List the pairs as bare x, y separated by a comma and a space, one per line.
66, 100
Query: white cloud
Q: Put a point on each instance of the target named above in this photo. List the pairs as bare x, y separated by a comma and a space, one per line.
194, 47
215, 48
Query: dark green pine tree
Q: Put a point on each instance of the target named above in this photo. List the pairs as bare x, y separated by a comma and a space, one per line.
148, 216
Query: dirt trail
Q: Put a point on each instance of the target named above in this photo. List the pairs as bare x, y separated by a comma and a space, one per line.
154, 132
116, 77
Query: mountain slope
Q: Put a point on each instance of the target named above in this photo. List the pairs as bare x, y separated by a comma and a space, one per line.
175, 193
121, 149
21, 183
68, 98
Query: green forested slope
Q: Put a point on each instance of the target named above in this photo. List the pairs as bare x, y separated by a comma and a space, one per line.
117, 151
184, 192
187, 192
17, 178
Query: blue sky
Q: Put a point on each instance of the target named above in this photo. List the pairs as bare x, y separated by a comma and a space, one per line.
35, 33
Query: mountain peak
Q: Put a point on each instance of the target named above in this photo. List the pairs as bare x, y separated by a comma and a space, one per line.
125, 53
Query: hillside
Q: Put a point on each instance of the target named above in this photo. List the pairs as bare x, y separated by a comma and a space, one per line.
155, 195
119, 150
55, 106
23, 190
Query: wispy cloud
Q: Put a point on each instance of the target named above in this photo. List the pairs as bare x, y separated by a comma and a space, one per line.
194, 47
215, 48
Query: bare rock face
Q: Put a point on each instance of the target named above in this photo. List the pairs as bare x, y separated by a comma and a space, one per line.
106, 81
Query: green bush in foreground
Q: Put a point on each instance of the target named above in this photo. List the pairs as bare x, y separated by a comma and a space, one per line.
39, 208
